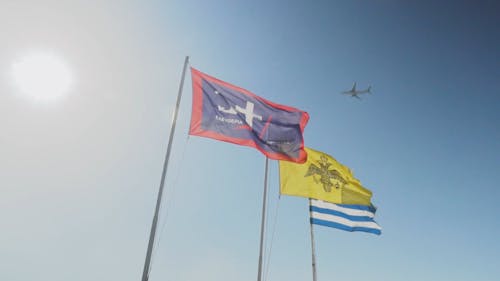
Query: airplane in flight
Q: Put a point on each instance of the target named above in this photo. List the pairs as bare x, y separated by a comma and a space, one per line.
354, 93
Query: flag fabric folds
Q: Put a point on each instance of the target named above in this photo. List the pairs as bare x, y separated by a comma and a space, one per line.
232, 114
345, 217
322, 177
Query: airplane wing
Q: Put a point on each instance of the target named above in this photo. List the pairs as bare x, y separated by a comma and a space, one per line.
356, 96
352, 91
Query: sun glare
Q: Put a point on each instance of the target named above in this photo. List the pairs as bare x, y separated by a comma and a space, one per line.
42, 76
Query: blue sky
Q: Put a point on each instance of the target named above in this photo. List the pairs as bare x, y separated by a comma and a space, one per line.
79, 177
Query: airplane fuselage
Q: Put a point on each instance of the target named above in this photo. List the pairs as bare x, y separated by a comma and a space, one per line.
354, 93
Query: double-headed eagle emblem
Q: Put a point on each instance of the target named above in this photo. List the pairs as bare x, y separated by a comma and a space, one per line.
325, 175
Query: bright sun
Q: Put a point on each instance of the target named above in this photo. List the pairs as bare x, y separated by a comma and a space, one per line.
42, 76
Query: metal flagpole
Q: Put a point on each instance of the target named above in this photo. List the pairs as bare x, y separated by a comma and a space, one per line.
147, 263
313, 251
262, 224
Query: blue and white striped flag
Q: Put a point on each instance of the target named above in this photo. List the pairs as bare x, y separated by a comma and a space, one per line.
345, 217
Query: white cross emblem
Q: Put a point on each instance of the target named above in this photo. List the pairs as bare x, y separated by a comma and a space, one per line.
247, 111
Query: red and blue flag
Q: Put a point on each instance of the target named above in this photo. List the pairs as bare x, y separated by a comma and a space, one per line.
232, 114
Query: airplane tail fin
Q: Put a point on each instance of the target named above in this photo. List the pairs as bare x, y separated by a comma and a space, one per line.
369, 89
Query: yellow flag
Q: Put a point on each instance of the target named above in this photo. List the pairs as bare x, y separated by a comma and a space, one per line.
322, 177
